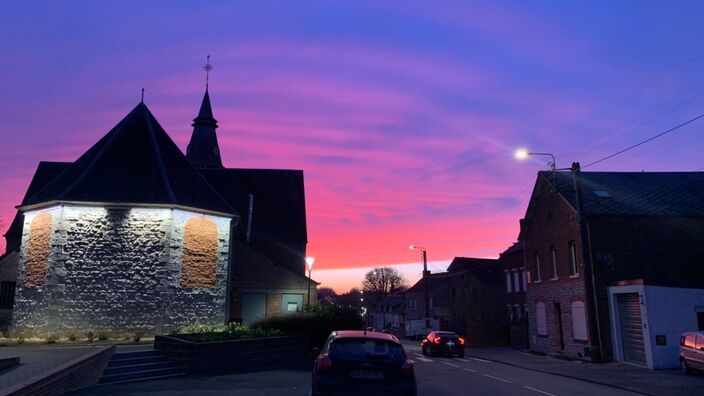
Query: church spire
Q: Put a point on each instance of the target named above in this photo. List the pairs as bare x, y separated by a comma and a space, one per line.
203, 150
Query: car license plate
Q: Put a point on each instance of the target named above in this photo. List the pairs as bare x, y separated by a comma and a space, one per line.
366, 374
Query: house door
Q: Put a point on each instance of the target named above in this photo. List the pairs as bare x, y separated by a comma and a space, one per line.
631, 328
253, 307
558, 324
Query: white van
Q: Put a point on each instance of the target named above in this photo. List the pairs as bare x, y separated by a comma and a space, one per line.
692, 351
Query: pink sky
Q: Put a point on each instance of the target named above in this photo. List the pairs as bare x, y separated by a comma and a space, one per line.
404, 117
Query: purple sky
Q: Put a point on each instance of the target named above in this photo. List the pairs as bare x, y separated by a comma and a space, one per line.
403, 115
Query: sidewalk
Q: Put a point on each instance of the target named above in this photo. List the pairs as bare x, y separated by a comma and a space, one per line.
37, 359
616, 375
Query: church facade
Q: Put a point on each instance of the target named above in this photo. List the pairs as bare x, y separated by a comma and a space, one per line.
136, 236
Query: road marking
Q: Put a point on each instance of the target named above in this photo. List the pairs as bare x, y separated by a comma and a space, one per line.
539, 391
422, 359
463, 360
498, 379
450, 364
470, 370
481, 360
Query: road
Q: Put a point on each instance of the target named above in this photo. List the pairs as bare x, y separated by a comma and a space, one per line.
443, 376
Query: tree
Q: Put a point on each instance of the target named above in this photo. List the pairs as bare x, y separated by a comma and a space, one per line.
327, 295
382, 281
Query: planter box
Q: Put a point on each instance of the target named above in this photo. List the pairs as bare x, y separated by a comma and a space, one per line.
220, 356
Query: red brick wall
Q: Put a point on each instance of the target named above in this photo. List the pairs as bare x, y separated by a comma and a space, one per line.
553, 222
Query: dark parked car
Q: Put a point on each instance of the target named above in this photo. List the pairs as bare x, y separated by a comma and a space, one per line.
692, 351
443, 343
355, 362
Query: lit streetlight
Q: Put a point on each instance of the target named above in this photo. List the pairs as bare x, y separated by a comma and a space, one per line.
309, 263
522, 154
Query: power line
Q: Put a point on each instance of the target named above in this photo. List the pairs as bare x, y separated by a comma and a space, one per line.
646, 140
648, 121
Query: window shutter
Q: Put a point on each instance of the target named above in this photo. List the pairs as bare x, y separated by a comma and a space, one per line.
579, 321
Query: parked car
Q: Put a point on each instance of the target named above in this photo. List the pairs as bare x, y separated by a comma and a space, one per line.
443, 343
692, 351
355, 362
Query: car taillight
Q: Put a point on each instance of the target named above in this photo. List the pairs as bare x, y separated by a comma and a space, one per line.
407, 369
461, 339
323, 363
436, 340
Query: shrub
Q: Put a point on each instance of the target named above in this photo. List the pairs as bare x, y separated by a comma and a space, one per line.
317, 322
230, 331
71, 335
90, 336
137, 336
103, 336
51, 339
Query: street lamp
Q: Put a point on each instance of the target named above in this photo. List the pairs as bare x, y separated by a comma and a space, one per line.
309, 263
522, 154
426, 281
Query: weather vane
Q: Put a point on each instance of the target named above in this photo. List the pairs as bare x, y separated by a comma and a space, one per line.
207, 67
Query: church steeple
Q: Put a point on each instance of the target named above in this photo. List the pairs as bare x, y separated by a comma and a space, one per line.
203, 150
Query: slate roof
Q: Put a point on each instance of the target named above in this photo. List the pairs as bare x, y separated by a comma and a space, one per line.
135, 163
46, 172
203, 150
436, 281
516, 247
470, 263
279, 211
634, 193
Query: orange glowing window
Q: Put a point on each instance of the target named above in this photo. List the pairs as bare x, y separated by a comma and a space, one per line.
38, 246
200, 253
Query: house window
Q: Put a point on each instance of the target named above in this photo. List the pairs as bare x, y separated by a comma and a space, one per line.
700, 320
508, 282
579, 321
541, 324
7, 294
538, 278
553, 253
517, 282
574, 270
525, 280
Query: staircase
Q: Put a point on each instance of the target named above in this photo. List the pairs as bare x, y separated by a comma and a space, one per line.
140, 365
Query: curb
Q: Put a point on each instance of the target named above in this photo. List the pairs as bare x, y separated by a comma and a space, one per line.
563, 375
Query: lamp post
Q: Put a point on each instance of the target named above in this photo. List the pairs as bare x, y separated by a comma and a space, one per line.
426, 281
523, 154
309, 263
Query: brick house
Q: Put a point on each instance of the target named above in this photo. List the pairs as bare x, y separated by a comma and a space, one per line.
615, 264
467, 299
515, 284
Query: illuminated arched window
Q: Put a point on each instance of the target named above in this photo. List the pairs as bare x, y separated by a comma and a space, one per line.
38, 246
200, 253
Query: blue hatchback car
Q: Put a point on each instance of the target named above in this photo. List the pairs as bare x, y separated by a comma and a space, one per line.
355, 362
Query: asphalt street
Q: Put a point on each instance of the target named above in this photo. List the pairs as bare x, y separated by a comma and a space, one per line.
436, 376
452, 376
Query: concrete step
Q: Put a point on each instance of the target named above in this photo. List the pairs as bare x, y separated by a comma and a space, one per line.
142, 375
135, 354
122, 369
124, 361
156, 377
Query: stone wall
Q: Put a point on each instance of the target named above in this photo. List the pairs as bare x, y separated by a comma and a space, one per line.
117, 269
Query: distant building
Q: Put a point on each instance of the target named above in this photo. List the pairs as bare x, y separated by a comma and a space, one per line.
137, 236
468, 299
515, 284
615, 262
389, 314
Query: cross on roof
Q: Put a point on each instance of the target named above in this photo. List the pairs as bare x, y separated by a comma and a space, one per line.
207, 67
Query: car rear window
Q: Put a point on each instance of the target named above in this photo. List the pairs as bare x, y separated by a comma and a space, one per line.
366, 348
689, 341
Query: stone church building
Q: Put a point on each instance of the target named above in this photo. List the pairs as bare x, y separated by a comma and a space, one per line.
136, 236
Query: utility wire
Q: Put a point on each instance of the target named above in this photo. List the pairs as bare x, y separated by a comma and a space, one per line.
645, 141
